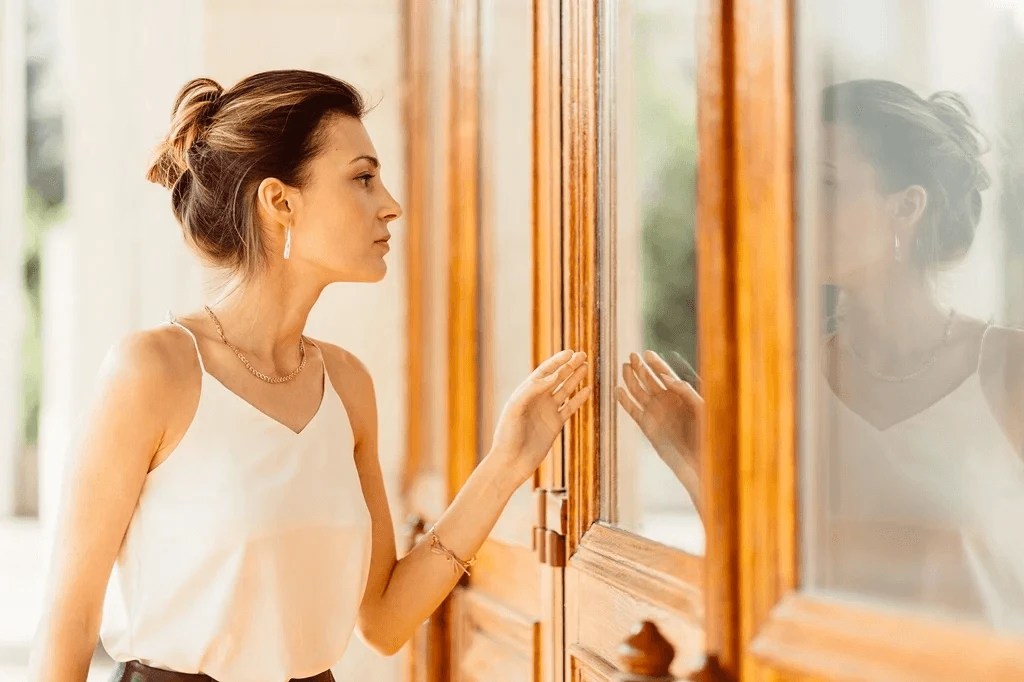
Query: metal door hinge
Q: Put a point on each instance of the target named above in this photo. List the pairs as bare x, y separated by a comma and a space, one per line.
549, 529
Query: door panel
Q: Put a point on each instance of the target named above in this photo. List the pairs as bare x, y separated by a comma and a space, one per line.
805, 614
617, 573
503, 622
495, 643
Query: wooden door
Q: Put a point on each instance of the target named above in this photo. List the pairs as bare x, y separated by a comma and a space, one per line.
427, 485
804, 615
646, 268
482, 126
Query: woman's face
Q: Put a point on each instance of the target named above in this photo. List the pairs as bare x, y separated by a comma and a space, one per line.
857, 227
341, 225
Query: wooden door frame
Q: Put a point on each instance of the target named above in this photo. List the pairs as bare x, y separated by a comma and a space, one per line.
787, 634
619, 562
428, 652
462, 230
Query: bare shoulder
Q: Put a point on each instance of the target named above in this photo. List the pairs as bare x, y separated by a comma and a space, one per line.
153, 356
154, 371
340, 360
1002, 357
1001, 369
352, 380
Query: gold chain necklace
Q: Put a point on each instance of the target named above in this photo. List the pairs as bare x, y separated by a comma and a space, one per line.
269, 379
865, 365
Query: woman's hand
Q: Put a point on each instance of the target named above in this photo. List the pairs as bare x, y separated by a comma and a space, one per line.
668, 411
537, 411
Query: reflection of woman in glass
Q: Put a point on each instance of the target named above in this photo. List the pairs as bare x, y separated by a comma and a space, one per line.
924, 480
926, 487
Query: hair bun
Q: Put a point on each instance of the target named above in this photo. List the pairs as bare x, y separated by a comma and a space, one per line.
953, 110
194, 110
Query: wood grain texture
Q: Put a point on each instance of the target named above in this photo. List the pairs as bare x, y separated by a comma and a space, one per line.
415, 32
765, 311
718, 332
649, 571
547, 206
586, 666
787, 635
614, 578
464, 284
496, 643
508, 573
428, 651
579, 250
600, 613
828, 640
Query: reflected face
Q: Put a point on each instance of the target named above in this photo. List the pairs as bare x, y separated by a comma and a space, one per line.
342, 228
857, 223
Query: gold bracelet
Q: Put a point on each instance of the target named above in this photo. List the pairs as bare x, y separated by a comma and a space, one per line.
437, 547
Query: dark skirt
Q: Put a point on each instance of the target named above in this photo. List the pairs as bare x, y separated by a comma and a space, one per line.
133, 671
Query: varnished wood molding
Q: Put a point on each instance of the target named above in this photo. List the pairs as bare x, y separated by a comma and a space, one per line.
646, 655
643, 569
834, 640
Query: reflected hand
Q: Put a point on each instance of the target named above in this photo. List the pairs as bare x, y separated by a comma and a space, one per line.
537, 411
668, 411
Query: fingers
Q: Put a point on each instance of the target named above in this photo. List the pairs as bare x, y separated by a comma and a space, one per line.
631, 408
574, 403
691, 374
569, 384
658, 364
638, 392
644, 374
555, 362
682, 389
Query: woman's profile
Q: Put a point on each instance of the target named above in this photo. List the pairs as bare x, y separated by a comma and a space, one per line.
226, 485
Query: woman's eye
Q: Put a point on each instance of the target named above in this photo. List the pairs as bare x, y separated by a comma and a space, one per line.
365, 179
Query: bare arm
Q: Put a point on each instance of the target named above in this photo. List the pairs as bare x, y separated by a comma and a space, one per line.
102, 480
400, 595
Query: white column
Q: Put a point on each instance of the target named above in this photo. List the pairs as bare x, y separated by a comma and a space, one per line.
119, 263
12, 211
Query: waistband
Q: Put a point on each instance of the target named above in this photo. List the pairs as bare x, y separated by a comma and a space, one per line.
133, 671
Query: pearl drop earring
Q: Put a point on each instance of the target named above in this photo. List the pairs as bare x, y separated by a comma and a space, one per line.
287, 242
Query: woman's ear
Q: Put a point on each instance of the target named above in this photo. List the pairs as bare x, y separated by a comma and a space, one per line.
277, 202
908, 206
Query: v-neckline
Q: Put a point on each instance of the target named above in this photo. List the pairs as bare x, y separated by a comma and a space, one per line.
305, 427
906, 420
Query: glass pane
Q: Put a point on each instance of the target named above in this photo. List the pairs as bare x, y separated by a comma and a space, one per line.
506, 188
911, 197
653, 123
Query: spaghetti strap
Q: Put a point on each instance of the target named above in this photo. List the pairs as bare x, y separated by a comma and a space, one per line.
981, 346
171, 320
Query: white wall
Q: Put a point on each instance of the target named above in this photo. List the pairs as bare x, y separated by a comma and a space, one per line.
12, 211
127, 60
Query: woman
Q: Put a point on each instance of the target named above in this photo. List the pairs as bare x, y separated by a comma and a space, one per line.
229, 466
922, 488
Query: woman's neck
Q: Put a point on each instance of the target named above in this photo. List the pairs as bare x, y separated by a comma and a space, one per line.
266, 316
893, 321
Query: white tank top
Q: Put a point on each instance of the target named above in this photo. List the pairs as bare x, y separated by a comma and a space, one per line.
948, 469
248, 552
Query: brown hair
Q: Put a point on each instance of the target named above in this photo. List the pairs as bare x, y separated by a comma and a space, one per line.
223, 144
930, 142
